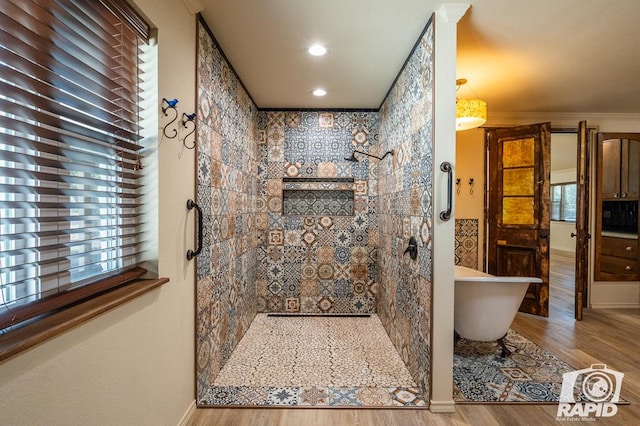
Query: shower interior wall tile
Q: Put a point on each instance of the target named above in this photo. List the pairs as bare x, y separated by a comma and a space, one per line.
466, 246
309, 261
227, 185
405, 210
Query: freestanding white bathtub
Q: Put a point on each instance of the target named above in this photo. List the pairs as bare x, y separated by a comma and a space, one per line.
485, 305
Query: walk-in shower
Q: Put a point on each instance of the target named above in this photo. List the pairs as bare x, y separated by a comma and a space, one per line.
302, 253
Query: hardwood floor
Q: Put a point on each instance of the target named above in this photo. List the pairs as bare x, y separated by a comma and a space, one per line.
604, 336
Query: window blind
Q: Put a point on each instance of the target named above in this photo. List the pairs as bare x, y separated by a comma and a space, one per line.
70, 189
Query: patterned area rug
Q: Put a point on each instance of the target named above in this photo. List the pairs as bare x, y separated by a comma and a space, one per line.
314, 361
530, 375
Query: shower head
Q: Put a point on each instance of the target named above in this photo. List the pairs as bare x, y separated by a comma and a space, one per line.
354, 159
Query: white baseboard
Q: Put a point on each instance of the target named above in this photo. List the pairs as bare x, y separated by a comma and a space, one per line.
187, 415
442, 406
615, 305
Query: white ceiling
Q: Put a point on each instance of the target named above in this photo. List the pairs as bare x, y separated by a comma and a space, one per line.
520, 56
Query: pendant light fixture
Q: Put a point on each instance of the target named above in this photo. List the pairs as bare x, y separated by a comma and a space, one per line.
470, 113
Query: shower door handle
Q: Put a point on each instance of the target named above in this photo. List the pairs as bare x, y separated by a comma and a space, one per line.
446, 167
190, 253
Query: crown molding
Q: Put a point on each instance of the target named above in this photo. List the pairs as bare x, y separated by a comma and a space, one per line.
556, 118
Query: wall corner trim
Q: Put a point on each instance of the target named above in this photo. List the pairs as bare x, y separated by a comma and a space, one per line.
442, 406
193, 6
453, 12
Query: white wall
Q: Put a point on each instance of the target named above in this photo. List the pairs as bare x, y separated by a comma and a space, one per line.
135, 364
560, 236
564, 147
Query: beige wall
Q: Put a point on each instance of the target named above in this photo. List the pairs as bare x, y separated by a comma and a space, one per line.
470, 164
133, 365
602, 294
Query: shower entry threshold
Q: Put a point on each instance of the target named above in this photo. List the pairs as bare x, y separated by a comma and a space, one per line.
334, 361
285, 314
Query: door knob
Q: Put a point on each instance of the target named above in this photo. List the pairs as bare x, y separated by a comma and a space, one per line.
573, 235
544, 234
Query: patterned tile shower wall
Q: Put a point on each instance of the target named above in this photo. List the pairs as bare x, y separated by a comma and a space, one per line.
226, 190
405, 191
466, 247
309, 261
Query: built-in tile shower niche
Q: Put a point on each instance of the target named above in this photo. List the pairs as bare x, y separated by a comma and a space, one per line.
293, 225
317, 196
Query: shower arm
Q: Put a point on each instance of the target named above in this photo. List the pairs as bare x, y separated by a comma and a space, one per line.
353, 156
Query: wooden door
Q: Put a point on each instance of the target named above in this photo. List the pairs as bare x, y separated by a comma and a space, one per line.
518, 213
582, 235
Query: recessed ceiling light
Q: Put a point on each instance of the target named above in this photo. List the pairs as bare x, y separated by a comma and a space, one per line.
319, 92
317, 50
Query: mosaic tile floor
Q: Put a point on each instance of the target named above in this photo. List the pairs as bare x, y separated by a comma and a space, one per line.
314, 361
530, 375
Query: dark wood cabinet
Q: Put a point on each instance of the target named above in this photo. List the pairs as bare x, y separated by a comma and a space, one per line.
619, 256
630, 173
617, 198
620, 247
610, 157
620, 169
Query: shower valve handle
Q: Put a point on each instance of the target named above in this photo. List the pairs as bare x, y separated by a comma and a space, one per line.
412, 249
